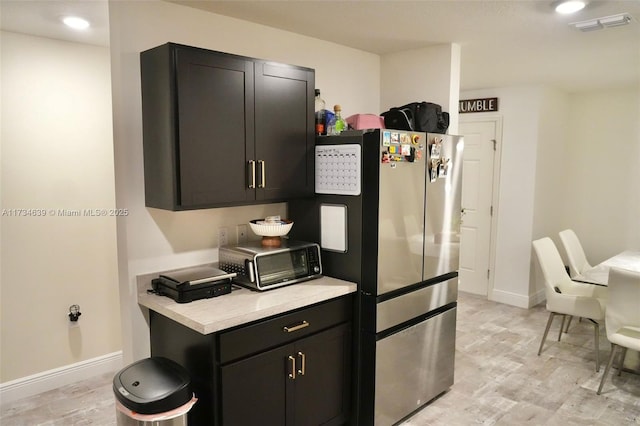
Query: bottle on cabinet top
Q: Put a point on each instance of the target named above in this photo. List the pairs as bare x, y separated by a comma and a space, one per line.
320, 115
337, 124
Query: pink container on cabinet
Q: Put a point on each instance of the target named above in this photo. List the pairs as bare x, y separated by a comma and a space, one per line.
365, 121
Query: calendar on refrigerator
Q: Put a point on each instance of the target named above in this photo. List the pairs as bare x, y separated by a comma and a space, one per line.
338, 169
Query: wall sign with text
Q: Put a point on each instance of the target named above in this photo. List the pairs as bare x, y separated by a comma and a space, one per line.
478, 105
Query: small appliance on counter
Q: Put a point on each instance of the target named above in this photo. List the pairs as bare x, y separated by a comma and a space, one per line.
271, 229
191, 284
261, 267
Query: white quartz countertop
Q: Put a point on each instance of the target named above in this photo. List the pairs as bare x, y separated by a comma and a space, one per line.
241, 305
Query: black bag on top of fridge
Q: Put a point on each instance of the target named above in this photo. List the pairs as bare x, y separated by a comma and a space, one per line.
398, 119
418, 116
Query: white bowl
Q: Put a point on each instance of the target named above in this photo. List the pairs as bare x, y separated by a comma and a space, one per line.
271, 229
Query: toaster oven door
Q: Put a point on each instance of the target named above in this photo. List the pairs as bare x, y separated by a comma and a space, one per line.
282, 268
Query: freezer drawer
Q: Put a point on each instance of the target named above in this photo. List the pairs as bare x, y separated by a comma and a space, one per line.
410, 305
413, 366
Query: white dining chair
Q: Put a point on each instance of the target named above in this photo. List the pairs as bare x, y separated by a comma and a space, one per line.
578, 262
566, 297
622, 320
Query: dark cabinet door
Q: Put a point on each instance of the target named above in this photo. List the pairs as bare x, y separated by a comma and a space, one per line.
223, 130
264, 389
322, 394
254, 390
284, 131
215, 127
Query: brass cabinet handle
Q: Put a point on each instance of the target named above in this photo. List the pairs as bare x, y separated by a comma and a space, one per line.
292, 372
252, 165
303, 363
263, 174
291, 329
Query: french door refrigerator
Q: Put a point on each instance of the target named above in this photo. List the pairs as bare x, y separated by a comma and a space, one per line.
387, 215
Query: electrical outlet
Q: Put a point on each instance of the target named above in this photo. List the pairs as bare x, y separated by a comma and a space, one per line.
223, 236
241, 233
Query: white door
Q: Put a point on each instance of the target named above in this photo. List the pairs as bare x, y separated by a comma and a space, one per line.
480, 145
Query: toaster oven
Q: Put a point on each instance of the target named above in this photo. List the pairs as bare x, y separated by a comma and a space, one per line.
264, 268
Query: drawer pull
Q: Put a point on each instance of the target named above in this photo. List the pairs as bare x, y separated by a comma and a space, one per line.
303, 363
291, 329
292, 371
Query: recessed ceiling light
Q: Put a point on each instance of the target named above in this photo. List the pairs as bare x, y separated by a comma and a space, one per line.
570, 6
76, 22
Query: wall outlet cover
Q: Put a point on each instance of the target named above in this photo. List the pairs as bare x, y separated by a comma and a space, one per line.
223, 236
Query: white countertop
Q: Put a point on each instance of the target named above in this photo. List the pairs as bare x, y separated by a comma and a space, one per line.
242, 305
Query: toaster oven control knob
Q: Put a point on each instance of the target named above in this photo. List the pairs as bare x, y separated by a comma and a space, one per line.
316, 269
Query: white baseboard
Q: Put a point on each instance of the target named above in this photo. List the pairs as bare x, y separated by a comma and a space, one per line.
518, 300
537, 298
48, 380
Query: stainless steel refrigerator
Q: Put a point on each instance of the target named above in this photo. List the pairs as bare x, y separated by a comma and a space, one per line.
387, 215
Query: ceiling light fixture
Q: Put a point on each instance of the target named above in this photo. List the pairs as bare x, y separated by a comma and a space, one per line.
569, 6
588, 25
76, 22
615, 20
604, 22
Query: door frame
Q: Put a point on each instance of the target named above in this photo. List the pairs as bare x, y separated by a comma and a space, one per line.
495, 192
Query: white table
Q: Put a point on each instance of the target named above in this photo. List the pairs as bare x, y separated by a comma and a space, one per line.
599, 274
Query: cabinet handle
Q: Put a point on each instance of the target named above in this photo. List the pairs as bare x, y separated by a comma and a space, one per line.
263, 174
292, 371
303, 363
292, 328
252, 165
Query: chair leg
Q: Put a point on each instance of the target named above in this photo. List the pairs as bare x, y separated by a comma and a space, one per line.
564, 317
622, 357
596, 330
566, 330
614, 349
546, 331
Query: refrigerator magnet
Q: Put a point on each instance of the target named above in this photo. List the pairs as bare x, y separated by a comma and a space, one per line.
433, 170
386, 138
443, 168
435, 150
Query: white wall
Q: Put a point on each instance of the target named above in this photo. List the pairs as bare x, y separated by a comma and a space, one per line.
430, 74
151, 240
57, 154
602, 194
549, 181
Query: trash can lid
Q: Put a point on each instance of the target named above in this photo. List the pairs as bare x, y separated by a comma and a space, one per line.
152, 385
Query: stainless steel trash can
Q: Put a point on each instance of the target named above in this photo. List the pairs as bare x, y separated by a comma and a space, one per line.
153, 392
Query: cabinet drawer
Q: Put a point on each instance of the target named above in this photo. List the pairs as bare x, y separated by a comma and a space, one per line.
283, 329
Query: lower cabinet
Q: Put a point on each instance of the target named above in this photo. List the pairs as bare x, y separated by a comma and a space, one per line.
287, 370
302, 383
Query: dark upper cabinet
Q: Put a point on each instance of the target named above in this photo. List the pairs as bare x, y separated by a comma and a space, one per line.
223, 130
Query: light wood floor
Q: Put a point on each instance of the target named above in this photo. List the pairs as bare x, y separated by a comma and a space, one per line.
499, 379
